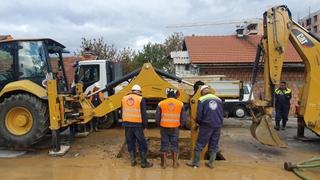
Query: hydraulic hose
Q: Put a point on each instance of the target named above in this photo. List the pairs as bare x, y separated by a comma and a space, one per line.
296, 168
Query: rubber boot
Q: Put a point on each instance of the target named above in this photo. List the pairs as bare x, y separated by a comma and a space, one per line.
284, 123
164, 160
144, 162
95, 125
133, 158
175, 160
212, 158
196, 160
277, 126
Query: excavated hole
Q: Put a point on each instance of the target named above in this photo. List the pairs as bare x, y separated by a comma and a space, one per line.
154, 149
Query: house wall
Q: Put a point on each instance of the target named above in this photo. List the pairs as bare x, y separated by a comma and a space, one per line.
312, 23
293, 77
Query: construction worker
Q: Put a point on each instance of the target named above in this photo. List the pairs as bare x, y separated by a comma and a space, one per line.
134, 117
209, 120
282, 105
170, 115
96, 100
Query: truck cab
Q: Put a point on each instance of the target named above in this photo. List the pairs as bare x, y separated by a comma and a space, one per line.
98, 71
238, 107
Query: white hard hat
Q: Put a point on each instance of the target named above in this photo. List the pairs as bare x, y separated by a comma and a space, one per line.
136, 87
203, 87
97, 85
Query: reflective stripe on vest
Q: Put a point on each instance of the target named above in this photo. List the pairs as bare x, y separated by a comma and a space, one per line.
286, 91
208, 96
131, 110
170, 112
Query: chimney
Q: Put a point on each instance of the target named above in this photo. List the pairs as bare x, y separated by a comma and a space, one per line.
240, 31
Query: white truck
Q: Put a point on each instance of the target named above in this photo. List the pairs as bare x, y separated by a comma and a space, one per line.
104, 72
234, 93
238, 107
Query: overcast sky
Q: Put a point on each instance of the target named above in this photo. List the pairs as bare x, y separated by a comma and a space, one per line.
130, 23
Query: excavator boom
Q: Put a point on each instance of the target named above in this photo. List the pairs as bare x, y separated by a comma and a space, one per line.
279, 29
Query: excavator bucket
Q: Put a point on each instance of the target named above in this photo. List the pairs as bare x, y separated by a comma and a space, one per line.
263, 131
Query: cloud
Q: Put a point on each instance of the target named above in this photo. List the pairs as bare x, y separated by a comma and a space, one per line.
131, 22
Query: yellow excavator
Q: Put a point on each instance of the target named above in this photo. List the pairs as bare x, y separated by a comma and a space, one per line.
279, 29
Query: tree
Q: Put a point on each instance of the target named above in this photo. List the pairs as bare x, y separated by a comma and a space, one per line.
155, 54
125, 57
174, 42
98, 48
159, 54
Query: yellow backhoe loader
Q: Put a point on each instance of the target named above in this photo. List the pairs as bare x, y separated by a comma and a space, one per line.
279, 29
31, 104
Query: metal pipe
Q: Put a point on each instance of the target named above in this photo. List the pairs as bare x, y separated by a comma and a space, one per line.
173, 77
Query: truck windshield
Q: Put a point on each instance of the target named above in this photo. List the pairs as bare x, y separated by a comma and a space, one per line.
89, 74
32, 60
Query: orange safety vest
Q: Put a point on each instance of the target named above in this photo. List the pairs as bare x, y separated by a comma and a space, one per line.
131, 110
170, 112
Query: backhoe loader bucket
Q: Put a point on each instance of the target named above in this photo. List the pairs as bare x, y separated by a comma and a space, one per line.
263, 131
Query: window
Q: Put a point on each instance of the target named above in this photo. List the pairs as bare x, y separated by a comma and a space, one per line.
315, 29
245, 90
89, 74
187, 67
32, 60
315, 18
308, 21
6, 62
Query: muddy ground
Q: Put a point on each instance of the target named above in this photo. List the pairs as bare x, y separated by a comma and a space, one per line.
102, 155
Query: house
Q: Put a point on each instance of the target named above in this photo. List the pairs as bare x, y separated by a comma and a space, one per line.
311, 22
233, 56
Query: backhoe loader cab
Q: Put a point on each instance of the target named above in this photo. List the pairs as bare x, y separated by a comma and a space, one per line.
27, 59
24, 68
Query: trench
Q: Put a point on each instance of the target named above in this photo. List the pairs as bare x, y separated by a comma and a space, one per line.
154, 149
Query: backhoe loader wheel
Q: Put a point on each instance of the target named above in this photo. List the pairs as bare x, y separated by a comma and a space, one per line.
23, 120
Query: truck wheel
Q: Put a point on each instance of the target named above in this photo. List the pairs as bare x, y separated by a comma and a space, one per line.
239, 112
107, 121
23, 120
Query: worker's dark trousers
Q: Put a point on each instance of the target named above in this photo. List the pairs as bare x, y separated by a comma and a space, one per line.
169, 136
134, 135
282, 113
210, 136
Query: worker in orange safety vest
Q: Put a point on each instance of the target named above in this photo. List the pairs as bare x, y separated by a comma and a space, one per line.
170, 115
135, 120
96, 100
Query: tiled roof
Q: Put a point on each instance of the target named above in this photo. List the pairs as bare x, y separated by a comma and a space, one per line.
4, 37
229, 49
